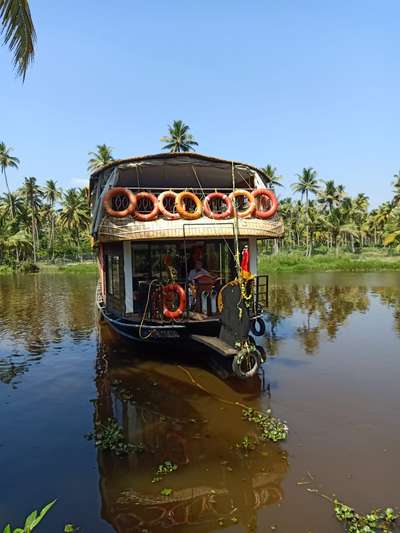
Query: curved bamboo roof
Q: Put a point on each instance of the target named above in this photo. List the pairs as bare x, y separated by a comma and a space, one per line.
173, 156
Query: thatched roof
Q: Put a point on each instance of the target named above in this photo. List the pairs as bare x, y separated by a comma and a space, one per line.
117, 229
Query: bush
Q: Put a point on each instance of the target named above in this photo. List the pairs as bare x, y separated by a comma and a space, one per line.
27, 267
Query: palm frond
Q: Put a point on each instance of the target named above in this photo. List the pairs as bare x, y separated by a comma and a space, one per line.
19, 32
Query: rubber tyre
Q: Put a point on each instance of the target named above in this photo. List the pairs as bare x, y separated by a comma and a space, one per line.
262, 327
255, 363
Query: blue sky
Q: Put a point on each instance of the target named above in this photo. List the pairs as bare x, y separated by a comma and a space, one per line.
291, 83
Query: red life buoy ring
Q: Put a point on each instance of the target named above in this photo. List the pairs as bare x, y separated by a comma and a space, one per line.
260, 213
252, 205
119, 191
218, 216
174, 287
153, 213
163, 210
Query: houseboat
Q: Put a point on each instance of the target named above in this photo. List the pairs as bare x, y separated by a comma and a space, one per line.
176, 237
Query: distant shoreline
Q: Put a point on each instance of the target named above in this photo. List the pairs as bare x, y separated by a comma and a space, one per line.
328, 263
268, 264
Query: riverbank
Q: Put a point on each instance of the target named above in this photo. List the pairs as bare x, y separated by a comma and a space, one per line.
86, 267
328, 263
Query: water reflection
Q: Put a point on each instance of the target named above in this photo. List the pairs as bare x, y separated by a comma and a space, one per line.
215, 485
39, 312
321, 309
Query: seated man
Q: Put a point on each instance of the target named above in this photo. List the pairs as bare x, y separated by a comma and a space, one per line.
197, 272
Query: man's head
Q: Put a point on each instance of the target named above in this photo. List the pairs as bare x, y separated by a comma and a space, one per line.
198, 265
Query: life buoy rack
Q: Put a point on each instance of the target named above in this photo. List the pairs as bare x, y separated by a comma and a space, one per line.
218, 216
177, 313
250, 198
163, 210
119, 191
153, 213
268, 193
180, 205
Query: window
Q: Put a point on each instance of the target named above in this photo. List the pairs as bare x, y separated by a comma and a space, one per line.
113, 282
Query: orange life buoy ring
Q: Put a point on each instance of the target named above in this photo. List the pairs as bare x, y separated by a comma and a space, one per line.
180, 205
153, 213
218, 216
252, 204
117, 191
272, 198
175, 287
163, 210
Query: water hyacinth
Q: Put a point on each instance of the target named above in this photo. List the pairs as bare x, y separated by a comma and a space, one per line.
271, 428
374, 521
110, 437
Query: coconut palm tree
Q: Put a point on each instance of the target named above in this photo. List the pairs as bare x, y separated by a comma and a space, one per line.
307, 183
52, 194
32, 195
19, 32
329, 196
396, 189
74, 215
100, 157
7, 161
179, 138
274, 180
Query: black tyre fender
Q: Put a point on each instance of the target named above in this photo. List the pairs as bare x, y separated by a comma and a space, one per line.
253, 357
258, 327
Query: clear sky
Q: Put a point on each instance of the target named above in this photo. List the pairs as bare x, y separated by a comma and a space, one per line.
292, 83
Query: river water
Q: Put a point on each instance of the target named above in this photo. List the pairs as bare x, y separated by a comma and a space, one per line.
333, 375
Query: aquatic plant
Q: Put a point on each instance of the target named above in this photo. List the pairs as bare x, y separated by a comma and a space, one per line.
374, 521
31, 520
70, 528
110, 437
162, 470
271, 428
247, 444
166, 491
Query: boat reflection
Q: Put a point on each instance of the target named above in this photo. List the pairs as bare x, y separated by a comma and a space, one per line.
216, 484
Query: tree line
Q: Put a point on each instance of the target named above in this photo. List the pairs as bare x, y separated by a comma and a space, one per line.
43, 222
327, 219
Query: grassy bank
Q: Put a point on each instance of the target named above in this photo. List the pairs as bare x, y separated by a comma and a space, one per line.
328, 263
86, 267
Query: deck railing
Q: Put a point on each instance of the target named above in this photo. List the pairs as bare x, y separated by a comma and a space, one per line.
201, 299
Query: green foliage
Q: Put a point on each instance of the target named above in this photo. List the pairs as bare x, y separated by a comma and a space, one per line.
110, 437
247, 444
271, 428
31, 520
166, 491
374, 521
70, 528
296, 262
167, 467
179, 138
27, 267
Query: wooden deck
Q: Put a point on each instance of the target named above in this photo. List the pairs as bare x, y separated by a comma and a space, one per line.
216, 344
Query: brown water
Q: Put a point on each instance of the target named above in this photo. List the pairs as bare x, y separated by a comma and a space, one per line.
334, 377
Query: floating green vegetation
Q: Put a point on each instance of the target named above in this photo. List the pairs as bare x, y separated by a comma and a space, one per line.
167, 467
166, 491
247, 444
31, 521
271, 428
110, 437
373, 522
70, 528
